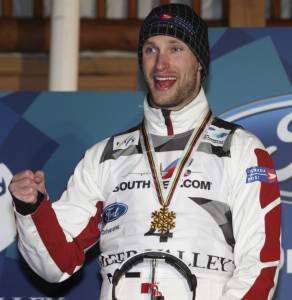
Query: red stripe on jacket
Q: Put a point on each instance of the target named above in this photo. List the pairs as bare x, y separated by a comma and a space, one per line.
262, 286
271, 250
66, 255
269, 192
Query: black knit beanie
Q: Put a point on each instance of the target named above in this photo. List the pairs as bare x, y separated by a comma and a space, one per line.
181, 22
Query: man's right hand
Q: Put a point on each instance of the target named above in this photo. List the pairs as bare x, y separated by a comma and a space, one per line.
25, 185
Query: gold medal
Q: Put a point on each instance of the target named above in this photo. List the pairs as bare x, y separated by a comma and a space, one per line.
163, 220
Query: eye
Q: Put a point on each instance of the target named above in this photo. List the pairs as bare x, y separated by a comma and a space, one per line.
176, 49
149, 50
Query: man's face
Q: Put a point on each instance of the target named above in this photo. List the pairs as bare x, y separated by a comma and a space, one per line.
171, 72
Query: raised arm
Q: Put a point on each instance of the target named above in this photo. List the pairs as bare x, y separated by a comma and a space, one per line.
53, 237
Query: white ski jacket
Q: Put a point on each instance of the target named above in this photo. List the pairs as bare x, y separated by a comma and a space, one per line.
227, 206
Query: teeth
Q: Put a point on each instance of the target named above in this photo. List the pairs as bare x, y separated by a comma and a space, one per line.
165, 78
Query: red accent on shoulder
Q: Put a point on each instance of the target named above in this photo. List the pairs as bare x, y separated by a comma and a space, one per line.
166, 16
66, 255
262, 286
269, 190
271, 249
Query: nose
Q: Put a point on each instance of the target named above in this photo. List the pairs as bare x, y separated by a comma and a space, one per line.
162, 61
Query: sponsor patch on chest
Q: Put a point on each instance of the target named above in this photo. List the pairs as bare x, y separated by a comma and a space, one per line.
113, 211
124, 141
216, 136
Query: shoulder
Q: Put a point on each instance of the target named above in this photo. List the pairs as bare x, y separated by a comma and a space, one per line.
238, 135
227, 139
218, 138
110, 147
245, 148
220, 123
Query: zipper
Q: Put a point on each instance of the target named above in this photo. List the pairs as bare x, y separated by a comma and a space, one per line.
167, 121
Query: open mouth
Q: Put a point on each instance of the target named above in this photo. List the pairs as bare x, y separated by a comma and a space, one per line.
164, 82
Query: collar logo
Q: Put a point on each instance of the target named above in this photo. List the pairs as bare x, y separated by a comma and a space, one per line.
271, 121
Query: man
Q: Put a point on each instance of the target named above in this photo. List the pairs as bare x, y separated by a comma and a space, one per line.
182, 183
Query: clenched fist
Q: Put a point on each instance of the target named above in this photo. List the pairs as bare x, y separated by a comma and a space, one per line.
25, 185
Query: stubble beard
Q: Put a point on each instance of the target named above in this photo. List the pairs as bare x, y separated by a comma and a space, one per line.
182, 96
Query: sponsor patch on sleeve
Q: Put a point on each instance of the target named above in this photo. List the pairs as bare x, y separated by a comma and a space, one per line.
262, 174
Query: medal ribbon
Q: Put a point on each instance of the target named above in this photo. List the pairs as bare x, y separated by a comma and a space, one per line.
165, 196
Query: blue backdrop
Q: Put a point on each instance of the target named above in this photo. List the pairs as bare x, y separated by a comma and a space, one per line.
250, 83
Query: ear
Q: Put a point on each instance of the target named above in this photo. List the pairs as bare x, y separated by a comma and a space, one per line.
200, 67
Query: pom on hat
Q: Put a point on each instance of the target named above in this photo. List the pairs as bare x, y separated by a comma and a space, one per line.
181, 22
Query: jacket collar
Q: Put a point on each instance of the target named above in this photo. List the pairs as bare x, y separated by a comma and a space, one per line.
188, 118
